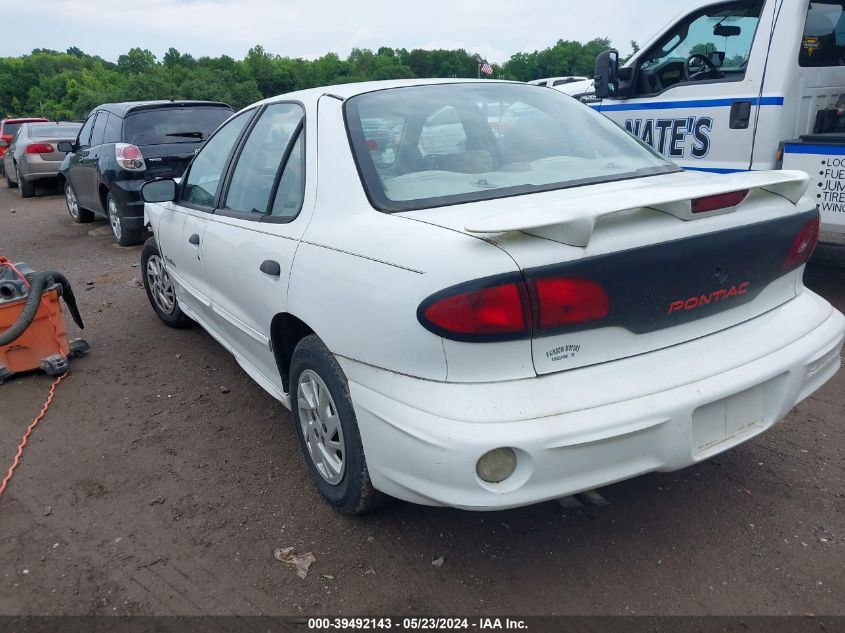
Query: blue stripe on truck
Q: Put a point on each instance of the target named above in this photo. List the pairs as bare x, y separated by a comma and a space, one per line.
826, 150
697, 103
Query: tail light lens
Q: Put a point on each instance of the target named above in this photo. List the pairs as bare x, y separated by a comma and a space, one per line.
512, 309
803, 245
39, 148
129, 157
495, 312
720, 201
563, 301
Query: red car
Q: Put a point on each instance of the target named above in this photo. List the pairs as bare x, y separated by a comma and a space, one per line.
8, 127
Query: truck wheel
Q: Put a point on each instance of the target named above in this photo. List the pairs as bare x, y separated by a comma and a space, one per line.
123, 235
327, 429
27, 188
79, 215
161, 292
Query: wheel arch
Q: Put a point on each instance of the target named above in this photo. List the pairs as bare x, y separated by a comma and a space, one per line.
286, 330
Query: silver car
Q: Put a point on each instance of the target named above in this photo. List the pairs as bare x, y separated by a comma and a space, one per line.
33, 154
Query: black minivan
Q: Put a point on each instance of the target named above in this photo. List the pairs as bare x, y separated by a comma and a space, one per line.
123, 145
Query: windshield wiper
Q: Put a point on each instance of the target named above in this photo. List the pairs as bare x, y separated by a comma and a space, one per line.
198, 135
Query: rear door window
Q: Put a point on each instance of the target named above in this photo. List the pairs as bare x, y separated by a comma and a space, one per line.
113, 128
84, 139
99, 131
259, 167
823, 40
161, 126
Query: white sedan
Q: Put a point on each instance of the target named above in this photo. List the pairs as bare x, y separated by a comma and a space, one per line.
519, 314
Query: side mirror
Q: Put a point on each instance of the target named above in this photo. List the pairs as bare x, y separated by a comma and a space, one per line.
4, 143
607, 74
64, 146
163, 190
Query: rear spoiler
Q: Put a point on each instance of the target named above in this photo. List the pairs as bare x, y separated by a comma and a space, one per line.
572, 221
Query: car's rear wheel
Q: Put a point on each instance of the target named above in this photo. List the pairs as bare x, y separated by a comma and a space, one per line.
76, 212
9, 183
27, 188
124, 235
327, 429
161, 292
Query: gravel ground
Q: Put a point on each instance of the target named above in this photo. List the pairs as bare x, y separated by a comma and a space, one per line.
163, 479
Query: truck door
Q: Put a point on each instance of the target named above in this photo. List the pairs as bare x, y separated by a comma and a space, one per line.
693, 93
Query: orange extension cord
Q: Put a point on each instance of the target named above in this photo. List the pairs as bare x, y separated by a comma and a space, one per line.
29, 432
40, 416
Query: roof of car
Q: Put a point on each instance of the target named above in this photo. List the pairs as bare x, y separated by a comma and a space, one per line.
345, 91
122, 109
26, 120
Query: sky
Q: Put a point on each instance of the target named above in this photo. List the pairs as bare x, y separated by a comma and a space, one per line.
311, 28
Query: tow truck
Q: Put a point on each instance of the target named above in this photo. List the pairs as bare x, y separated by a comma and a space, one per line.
738, 86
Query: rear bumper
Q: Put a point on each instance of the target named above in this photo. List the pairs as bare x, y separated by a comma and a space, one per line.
585, 428
36, 168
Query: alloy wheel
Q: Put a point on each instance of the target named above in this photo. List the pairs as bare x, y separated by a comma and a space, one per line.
72, 203
160, 285
321, 428
114, 219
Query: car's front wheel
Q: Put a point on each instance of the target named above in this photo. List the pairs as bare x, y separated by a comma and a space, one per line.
26, 187
125, 236
159, 287
76, 212
327, 429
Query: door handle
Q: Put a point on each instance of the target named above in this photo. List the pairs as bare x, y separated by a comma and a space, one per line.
194, 239
740, 115
269, 267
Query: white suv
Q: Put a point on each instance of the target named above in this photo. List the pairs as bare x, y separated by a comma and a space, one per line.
526, 311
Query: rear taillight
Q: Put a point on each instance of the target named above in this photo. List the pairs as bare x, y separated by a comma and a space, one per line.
803, 245
513, 309
39, 148
129, 157
558, 302
496, 311
719, 201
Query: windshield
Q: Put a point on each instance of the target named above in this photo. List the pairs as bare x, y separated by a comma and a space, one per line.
57, 131
435, 145
173, 125
9, 129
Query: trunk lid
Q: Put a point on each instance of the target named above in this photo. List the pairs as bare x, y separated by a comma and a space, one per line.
670, 275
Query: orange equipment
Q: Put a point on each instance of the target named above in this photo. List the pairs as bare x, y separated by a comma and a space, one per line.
32, 330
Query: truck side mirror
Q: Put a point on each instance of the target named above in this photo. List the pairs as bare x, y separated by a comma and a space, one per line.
607, 74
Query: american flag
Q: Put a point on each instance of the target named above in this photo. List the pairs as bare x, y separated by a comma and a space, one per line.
486, 68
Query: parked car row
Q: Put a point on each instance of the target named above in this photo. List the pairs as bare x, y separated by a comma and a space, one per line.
102, 163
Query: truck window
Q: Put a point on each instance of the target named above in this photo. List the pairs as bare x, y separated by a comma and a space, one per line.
712, 45
823, 41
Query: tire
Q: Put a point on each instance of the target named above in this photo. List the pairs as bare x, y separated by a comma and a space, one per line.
9, 183
77, 213
26, 187
159, 287
344, 481
123, 235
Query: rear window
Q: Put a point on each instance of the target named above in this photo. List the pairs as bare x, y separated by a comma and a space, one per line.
173, 125
9, 129
823, 41
429, 146
57, 131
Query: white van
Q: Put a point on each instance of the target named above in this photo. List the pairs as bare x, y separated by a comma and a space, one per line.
741, 85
